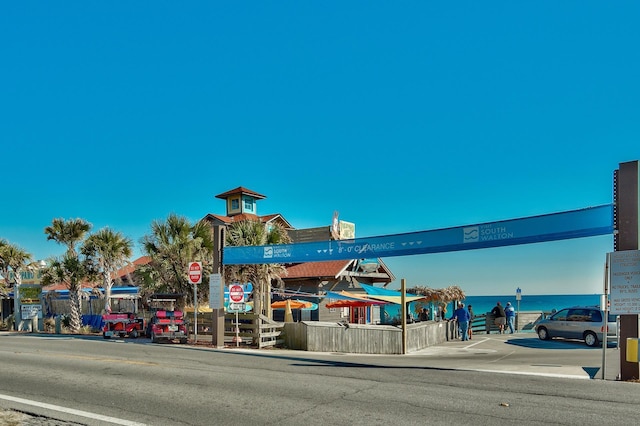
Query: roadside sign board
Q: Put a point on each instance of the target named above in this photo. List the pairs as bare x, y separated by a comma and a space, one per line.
236, 293
625, 282
518, 294
31, 311
216, 300
195, 272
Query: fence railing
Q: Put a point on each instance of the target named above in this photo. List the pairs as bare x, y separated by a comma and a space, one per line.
252, 329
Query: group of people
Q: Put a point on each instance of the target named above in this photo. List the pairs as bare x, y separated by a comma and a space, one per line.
504, 316
463, 317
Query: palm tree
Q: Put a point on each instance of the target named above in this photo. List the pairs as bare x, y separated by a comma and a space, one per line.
69, 269
4, 268
172, 245
256, 233
68, 232
109, 251
14, 258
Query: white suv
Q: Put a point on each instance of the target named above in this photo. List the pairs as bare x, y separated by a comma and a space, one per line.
579, 322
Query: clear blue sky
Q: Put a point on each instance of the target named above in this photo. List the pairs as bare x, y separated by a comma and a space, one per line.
401, 116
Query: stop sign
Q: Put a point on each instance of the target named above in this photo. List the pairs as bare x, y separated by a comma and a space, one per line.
195, 272
236, 293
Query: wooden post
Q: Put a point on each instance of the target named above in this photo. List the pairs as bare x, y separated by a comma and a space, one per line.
626, 199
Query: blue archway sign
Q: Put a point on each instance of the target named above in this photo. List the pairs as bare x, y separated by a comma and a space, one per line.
587, 222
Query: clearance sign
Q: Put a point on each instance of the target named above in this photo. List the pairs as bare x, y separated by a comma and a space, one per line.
581, 223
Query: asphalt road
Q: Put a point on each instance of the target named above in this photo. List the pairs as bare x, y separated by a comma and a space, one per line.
489, 380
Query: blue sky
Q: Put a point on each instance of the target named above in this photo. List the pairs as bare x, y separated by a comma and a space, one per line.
401, 116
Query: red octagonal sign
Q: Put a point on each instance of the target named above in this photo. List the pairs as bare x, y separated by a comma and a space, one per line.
236, 293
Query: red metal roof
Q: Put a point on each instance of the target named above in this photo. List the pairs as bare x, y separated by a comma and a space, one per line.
130, 268
330, 268
240, 190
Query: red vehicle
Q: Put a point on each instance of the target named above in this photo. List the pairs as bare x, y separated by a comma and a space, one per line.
121, 325
167, 323
124, 321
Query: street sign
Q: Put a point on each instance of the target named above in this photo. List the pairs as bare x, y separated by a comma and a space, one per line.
518, 294
236, 293
216, 300
31, 311
239, 307
195, 272
625, 282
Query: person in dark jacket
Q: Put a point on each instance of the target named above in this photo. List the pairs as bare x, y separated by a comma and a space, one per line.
499, 317
424, 315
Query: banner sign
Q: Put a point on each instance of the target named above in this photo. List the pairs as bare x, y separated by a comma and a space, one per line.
586, 222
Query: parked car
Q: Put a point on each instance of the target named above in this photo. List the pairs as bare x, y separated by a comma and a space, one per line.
579, 322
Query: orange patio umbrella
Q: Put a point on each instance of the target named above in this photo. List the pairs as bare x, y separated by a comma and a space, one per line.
293, 304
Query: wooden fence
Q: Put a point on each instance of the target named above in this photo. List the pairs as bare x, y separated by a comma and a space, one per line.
260, 332
250, 329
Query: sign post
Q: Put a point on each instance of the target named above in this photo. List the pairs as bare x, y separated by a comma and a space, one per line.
518, 298
236, 300
195, 277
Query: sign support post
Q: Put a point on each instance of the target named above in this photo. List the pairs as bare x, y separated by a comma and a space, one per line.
627, 237
605, 308
518, 298
195, 277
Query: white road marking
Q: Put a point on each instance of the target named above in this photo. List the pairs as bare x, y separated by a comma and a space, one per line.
80, 413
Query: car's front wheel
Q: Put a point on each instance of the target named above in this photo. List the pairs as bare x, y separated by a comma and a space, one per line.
590, 338
543, 334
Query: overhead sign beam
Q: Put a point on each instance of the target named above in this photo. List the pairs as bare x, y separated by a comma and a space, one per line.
588, 222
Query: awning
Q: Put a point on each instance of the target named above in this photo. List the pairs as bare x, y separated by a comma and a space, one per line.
353, 303
345, 295
387, 295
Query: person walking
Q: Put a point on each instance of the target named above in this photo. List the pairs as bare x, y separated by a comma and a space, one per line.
499, 317
470, 309
462, 316
510, 314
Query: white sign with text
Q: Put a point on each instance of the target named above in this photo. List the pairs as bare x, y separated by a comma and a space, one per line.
625, 282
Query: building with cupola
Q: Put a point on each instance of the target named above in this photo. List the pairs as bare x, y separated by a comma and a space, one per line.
309, 280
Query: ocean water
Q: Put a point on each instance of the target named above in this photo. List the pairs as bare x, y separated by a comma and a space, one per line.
531, 302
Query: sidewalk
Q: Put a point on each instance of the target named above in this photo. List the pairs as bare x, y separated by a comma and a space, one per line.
524, 353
